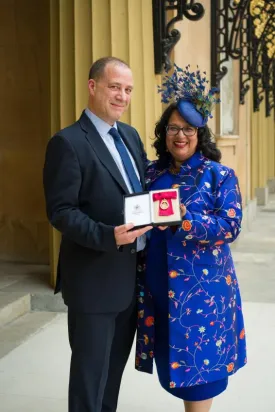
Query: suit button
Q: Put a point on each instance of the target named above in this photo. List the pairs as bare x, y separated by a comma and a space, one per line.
133, 251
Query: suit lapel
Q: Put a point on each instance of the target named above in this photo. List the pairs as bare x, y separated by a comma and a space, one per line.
101, 150
130, 142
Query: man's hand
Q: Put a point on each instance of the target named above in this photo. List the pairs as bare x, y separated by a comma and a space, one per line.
124, 235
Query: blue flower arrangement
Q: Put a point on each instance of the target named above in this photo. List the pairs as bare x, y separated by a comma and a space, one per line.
189, 90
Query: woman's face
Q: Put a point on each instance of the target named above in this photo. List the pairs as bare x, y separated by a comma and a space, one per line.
180, 146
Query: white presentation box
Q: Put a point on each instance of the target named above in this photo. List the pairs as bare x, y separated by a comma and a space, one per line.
154, 208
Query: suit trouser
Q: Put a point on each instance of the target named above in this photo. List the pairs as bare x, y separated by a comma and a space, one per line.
101, 344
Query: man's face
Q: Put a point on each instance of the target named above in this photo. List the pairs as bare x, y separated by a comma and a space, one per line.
110, 95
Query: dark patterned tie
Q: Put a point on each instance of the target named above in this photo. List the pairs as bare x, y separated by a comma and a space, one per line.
127, 163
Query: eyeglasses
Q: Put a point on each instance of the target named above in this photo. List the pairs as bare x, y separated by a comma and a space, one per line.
174, 130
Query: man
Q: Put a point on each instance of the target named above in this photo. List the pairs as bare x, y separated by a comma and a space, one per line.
89, 167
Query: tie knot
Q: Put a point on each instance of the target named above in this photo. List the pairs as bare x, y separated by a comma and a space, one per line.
114, 133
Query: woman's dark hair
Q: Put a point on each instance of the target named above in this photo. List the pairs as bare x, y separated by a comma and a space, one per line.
206, 145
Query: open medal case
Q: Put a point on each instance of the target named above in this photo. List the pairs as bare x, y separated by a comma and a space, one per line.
154, 208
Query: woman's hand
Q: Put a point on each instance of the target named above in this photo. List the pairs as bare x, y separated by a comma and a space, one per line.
182, 210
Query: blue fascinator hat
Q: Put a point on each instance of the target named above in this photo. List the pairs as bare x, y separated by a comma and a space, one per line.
188, 90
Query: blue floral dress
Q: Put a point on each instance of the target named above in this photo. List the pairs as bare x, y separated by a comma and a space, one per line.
189, 306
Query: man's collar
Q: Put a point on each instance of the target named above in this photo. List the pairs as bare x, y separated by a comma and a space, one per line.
101, 126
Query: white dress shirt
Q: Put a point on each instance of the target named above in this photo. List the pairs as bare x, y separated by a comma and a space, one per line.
103, 130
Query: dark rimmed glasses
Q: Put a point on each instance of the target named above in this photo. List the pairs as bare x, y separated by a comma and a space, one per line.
187, 131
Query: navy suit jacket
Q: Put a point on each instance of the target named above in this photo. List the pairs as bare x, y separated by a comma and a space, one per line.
84, 193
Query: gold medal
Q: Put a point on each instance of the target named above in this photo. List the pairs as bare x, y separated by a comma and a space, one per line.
164, 204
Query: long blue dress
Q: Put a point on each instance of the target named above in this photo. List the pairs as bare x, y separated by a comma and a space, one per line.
190, 317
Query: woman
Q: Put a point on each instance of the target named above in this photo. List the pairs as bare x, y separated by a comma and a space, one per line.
190, 316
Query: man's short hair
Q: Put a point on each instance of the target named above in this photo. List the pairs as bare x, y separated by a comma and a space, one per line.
98, 67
